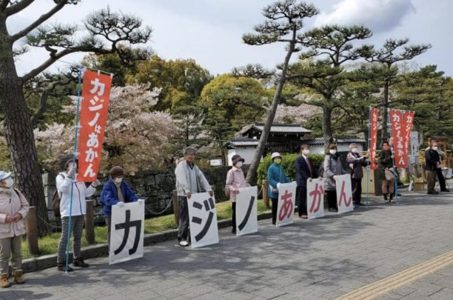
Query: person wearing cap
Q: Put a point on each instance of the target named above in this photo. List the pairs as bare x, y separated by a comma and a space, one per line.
189, 180
235, 180
332, 167
304, 171
66, 183
275, 176
13, 210
356, 162
116, 191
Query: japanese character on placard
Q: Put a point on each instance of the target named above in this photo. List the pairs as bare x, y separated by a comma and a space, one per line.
98, 87
95, 120
93, 140
91, 155
89, 172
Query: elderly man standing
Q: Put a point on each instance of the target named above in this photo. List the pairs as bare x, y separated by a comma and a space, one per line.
189, 180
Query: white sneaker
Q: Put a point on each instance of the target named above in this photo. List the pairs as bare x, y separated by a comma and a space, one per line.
183, 243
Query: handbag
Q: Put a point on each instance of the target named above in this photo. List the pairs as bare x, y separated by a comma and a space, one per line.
389, 175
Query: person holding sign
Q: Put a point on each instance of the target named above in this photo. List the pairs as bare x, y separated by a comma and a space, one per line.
13, 210
356, 162
275, 176
386, 172
235, 179
189, 180
332, 166
115, 192
304, 171
67, 183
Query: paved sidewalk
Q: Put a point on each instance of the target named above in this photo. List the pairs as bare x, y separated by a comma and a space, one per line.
318, 259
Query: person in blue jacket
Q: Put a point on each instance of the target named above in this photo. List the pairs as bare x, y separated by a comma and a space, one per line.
275, 176
115, 191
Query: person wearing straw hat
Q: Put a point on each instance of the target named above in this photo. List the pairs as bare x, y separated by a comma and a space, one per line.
65, 184
275, 176
13, 210
235, 180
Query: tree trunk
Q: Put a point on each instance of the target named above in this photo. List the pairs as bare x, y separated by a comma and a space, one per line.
327, 126
385, 106
19, 132
251, 174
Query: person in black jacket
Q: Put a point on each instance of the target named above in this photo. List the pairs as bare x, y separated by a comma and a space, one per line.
304, 170
432, 163
386, 172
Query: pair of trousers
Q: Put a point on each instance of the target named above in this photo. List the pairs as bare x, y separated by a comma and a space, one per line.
10, 249
274, 209
441, 178
388, 186
356, 190
233, 216
431, 180
77, 230
183, 228
301, 198
108, 222
332, 199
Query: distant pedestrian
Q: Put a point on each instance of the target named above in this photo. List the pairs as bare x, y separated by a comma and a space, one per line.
235, 180
13, 210
432, 164
332, 167
356, 163
275, 176
387, 172
304, 171
189, 180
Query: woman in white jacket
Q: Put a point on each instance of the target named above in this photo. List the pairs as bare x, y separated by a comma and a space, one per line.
65, 184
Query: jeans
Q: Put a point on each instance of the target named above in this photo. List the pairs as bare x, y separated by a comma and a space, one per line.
183, 229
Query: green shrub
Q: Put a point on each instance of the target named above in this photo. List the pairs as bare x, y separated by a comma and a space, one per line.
288, 161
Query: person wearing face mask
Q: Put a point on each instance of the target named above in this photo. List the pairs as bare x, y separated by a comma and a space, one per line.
386, 172
356, 162
235, 180
116, 191
66, 183
13, 210
432, 163
304, 171
440, 175
332, 167
275, 176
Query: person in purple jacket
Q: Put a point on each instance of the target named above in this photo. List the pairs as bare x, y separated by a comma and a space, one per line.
115, 191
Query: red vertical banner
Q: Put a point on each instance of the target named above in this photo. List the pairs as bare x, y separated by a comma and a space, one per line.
401, 123
374, 120
93, 119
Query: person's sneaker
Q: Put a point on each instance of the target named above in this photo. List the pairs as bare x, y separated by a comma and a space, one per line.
433, 193
303, 217
4, 282
62, 268
183, 243
19, 277
445, 190
80, 263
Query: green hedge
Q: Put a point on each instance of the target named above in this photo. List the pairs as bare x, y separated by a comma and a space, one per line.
288, 161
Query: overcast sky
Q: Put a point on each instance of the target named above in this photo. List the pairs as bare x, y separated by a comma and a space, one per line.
210, 31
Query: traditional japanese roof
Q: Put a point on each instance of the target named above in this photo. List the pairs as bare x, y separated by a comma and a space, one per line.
241, 142
276, 128
320, 141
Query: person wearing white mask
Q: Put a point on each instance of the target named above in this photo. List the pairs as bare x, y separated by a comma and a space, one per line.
275, 176
66, 184
332, 167
432, 162
356, 162
116, 191
304, 171
235, 180
13, 210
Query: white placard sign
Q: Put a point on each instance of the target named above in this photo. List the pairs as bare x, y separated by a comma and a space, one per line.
315, 198
247, 211
127, 232
203, 220
344, 193
286, 203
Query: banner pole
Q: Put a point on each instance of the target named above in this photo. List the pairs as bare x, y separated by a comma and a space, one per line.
368, 166
74, 158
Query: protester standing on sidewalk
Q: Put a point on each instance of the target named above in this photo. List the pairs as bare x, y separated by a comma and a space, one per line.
304, 171
66, 181
13, 210
439, 173
189, 180
387, 174
432, 163
332, 167
356, 162
235, 180
116, 191
275, 176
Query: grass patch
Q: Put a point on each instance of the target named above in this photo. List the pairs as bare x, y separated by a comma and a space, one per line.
49, 243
